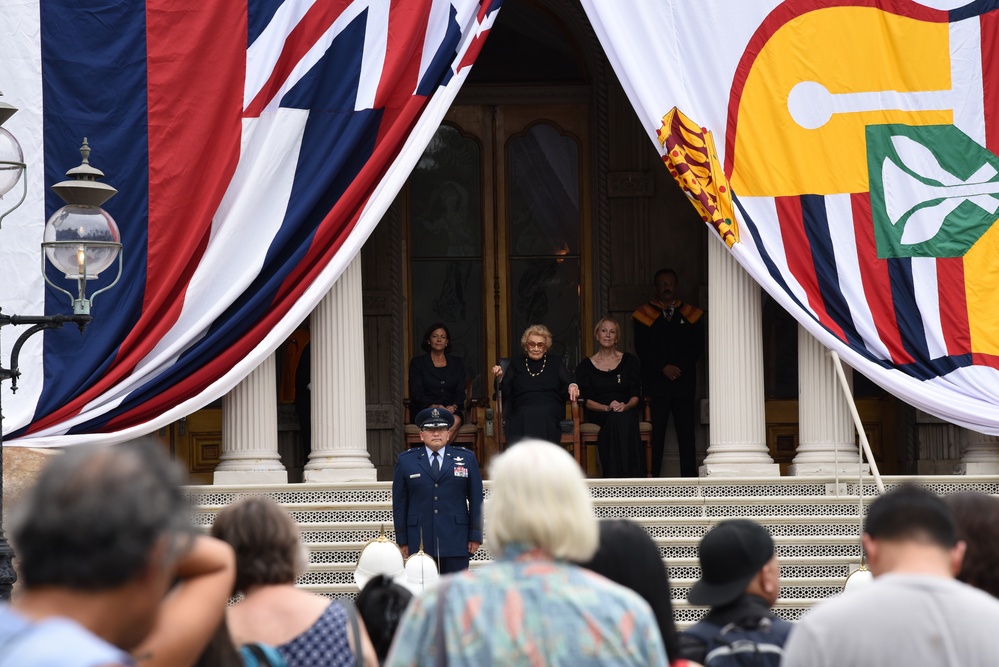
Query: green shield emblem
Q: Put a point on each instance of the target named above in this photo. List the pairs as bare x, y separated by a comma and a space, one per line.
934, 190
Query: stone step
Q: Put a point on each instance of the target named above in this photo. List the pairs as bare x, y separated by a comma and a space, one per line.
789, 511
657, 488
659, 528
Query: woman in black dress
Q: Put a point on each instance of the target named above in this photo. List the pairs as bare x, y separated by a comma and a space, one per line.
437, 379
611, 383
535, 387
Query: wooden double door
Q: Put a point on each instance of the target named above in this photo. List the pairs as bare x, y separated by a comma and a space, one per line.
497, 221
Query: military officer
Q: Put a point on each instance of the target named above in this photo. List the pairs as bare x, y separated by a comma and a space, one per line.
437, 495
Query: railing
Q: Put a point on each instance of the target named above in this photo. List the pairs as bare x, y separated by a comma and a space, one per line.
865, 446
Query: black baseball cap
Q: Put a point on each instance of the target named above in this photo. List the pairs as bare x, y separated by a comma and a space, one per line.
731, 554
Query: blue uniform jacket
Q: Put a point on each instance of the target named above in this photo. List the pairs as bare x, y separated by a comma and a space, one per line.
448, 507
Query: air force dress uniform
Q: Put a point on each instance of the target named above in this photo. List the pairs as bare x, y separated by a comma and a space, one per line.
445, 506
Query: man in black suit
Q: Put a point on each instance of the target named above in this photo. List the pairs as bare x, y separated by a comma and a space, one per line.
669, 340
437, 496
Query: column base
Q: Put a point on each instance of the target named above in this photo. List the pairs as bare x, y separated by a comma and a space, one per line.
253, 467
820, 469
991, 468
340, 475
739, 470
246, 477
339, 465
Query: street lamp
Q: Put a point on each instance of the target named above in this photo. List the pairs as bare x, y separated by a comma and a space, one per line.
81, 240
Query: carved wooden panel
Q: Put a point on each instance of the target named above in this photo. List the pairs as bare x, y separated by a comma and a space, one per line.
626, 298
380, 416
205, 450
377, 302
631, 184
782, 441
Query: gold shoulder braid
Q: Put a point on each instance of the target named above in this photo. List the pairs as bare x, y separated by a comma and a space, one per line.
647, 313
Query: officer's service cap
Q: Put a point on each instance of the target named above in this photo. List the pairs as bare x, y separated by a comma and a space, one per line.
435, 418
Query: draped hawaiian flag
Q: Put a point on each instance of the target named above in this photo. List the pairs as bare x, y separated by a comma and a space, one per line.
255, 145
857, 141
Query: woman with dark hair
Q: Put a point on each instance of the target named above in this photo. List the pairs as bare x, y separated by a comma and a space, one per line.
308, 630
535, 386
381, 603
437, 378
977, 518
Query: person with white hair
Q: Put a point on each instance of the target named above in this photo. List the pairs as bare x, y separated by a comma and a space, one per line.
532, 604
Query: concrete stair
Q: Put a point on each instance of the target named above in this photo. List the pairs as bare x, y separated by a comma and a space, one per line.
814, 521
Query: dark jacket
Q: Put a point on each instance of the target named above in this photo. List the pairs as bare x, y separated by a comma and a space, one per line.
659, 342
446, 507
429, 385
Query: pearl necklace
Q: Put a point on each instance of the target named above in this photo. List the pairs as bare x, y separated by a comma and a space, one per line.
544, 360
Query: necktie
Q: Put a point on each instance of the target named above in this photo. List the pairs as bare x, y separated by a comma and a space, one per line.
668, 313
437, 463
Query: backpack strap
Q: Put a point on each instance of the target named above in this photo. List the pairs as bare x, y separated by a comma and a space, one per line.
703, 636
704, 631
780, 629
261, 655
355, 631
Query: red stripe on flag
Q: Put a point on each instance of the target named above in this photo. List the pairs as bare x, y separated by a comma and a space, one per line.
407, 31
479, 40
982, 359
875, 279
299, 42
953, 305
798, 252
401, 72
194, 126
990, 78
473, 51
484, 8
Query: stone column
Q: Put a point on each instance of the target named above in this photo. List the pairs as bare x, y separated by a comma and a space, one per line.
980, 455
339, 433
737, 432
249, 431
826, 432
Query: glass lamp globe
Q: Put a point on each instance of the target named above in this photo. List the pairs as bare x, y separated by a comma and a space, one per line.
81, 240
11, 161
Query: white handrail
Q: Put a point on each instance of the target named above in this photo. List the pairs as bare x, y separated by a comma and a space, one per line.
862, 435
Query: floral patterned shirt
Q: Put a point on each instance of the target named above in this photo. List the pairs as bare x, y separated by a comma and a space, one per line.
526, 609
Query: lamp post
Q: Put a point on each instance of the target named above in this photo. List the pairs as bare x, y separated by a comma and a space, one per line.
81, 240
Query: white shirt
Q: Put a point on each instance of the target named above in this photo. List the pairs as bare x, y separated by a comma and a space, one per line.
430, 453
